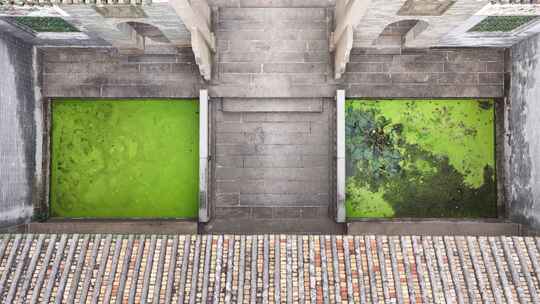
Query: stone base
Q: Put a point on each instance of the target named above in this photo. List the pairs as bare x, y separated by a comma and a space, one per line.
115, 226
274, 226
433, 227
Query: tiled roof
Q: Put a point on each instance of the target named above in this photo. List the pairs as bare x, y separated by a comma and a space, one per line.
268, 269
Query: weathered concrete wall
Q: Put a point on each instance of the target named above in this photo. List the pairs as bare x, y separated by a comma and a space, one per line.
20, 152
105, 73
427, 73
523, 133
273, 158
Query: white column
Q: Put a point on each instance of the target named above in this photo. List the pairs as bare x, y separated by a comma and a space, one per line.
196, 16
342, 52
340, 174
203, 156
347, 14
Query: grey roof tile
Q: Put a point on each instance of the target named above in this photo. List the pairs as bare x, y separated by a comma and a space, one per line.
265, 269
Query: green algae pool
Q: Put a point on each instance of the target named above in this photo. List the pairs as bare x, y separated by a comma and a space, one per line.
124, 158
420, 158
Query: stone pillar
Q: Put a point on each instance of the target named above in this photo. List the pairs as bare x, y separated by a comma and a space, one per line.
203, 156
340, 157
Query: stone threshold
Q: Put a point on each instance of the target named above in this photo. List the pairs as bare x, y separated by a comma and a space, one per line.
299, 226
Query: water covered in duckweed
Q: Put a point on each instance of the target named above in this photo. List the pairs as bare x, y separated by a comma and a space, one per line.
420, 158
124, 158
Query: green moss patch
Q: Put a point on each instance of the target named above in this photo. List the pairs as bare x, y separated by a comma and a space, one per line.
45, 24
420, 158
124, 159
501, 23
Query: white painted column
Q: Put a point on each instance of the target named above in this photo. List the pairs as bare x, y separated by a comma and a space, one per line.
340, 174
203, 156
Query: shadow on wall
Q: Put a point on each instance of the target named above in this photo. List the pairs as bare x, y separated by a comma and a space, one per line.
143, 34
398, 33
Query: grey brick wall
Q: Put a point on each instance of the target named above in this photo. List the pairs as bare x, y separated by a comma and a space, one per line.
276, 52
273, 164
426, 73
104, 73
273, 52
258, 68
19, 163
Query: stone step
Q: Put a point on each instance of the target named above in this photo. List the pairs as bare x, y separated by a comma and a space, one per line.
322, 225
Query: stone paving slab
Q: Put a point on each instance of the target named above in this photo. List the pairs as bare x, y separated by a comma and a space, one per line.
267, 269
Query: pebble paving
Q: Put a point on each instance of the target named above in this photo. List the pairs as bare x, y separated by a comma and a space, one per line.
268, 269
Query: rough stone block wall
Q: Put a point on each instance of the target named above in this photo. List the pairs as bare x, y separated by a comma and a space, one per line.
105, 73
426, 74
276, 52
273, 52
19, 163
241, 72
273, 164
523, 134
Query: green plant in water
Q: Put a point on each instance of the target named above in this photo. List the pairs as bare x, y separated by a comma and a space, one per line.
370, 143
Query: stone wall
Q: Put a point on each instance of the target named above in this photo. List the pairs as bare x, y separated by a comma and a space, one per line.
104, 73
20, 133
273, 158
523, 133
273, 52
450, 73
426, 74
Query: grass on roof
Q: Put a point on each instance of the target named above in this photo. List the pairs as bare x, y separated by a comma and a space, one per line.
46, 24
501, 23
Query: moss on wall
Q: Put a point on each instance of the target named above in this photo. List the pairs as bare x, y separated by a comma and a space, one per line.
124, 159
501, 23
420, 158
45, 24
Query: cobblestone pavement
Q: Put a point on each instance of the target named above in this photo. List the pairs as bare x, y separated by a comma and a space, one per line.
268, 269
